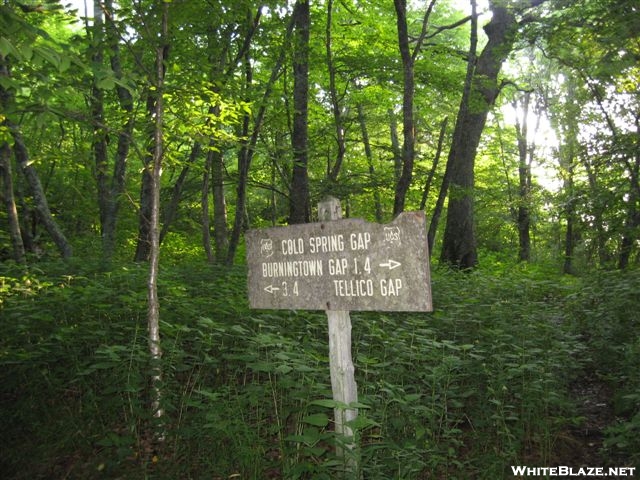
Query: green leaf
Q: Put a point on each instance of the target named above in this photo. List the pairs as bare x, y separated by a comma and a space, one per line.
412, 397
317, 419
362, 422
7, 48
328, 403
8, 82
283, 369
107, 83
309, 438
49, 55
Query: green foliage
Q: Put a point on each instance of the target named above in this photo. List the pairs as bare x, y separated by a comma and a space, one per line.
604, 311
463, 392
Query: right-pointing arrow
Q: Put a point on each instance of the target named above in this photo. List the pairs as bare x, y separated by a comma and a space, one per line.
391, 264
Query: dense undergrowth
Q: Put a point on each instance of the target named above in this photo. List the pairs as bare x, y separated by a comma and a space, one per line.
478, 385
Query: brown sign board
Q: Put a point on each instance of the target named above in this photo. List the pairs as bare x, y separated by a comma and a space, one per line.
346, 264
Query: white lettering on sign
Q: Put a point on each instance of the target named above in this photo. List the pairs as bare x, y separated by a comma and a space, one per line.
285, 289
298, 268
338, 266
354, 288
357, 267
292, 247
390, 287
326, 244
360, 241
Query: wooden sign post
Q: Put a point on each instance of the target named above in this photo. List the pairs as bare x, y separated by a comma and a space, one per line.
343, 382
338, 265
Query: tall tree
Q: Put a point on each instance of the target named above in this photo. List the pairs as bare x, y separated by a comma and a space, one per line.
408, 57
6, 172
300, 207
525, 158
143, 244
110, 206
153, 317
377, 202
96, 100
336, 107
458, 129
459, 247
9, 198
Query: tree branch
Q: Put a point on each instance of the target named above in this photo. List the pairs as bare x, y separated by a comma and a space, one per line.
460, 22
423, 32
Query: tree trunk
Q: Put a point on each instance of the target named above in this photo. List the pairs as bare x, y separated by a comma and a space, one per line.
457, 131
525, 153
245, 155
459, 243
118, 178
28, 220
220, 230
338, 117
436, 161
171, 211
408, 126
567, 155
154, 253
437, 211
408, 130
6, 99
599, 207
395, 147
632, 221
569, 238
10, 203
40, 200
99, 141
372, 174
300, 208
204, 202
143, 245
220, 74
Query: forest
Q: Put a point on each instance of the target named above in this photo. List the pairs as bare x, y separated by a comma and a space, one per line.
140, 140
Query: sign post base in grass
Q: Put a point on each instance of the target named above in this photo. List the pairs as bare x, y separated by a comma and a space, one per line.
343, 383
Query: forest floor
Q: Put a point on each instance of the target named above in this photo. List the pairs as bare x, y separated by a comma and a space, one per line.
584, 443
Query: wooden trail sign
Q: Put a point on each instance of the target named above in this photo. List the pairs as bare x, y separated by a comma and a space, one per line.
344, 264
338, 265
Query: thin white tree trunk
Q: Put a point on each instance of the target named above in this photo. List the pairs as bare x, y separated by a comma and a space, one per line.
154, 303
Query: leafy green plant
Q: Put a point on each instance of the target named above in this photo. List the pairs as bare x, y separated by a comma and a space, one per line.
465, 391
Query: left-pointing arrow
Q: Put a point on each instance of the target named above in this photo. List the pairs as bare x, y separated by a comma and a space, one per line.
271, 289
